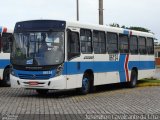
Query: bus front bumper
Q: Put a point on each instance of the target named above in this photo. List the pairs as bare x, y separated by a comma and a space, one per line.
52, 83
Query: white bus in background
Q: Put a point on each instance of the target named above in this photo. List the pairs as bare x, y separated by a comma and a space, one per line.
52, 54
5, 45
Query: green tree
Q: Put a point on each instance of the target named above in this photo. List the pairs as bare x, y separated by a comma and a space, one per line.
114, 25
140, 29
123, 26
131, 28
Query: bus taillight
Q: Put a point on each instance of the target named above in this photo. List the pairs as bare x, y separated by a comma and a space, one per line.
4, 30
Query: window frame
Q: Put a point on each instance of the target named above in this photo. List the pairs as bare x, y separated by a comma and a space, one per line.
137, 51
148, 47
8, 36
109, 44
71, 55
139, 46
99, 42
123, 50
85, 32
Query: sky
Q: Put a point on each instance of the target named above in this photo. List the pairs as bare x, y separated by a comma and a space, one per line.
142, 13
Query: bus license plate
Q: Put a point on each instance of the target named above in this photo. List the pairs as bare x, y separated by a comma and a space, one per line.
33, 83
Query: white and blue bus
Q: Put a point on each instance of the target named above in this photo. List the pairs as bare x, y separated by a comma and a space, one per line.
5, 45
52, 54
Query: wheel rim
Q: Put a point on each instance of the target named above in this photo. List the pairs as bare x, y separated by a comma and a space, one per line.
7, 79
85, 85
134, 79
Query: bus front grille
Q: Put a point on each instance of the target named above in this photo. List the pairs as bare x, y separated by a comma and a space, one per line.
34, 77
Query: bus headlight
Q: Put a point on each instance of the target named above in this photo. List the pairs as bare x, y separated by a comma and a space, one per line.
59, 70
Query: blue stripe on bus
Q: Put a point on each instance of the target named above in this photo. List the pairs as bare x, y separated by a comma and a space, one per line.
4, 63
141, 65
71, 68
96, 66
105, 66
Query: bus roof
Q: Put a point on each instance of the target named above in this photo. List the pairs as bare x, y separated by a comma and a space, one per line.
82, 25
108, 29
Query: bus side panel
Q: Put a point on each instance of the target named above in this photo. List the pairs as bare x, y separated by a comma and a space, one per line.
74, 81
104, 73
133, 63
73, 74
145, 65
75, 70
4, 62
146, 73
111, 77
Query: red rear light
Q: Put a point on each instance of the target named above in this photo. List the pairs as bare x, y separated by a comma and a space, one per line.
4, 29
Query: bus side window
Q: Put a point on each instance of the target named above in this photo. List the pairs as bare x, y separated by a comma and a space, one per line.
99, 42
142, 45
112, 43
133, 44
123, 43
150, 46
86, 41
6, 42
73, 45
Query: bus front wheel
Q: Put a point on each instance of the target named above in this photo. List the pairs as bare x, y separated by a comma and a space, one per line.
134, 78
6, 77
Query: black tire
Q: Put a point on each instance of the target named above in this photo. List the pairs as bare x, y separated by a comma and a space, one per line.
85, 86
6, 78
134, 78
42, 92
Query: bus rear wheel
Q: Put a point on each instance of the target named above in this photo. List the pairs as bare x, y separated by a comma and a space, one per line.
134, 78
6, 78
41, 91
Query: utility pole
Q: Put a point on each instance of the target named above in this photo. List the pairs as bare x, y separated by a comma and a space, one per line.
101, 12
77, 10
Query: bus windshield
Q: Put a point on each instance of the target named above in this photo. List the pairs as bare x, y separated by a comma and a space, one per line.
38, 48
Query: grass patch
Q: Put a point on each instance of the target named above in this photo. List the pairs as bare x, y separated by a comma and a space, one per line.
148, 82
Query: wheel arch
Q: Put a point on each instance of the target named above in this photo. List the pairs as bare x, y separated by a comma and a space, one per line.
7, 67
89, 73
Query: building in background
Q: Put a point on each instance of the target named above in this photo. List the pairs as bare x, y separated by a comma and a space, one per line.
157, 55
